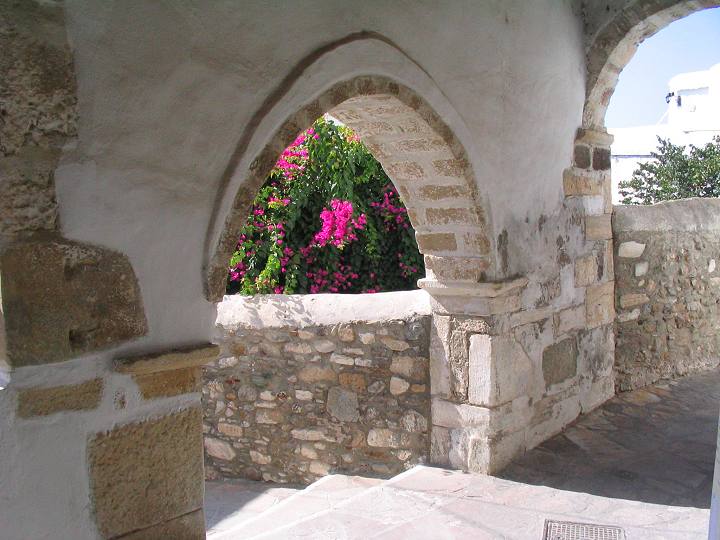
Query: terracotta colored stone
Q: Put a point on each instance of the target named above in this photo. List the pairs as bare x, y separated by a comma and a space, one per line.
443, 216
146, 473
430, 242
600, 304
598, 227
436, 193
575, 184
450, 167
74, 397
172, 360
49, 315
586, 270
353, 381
168, 383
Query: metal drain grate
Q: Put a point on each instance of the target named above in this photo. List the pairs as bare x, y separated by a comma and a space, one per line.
568, 530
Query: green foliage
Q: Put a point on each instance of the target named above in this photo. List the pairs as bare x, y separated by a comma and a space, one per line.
675, 174
327, 219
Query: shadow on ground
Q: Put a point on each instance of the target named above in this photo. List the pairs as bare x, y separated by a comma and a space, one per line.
237, 500
655, 445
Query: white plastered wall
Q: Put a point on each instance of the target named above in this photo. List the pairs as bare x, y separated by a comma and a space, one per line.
165, 90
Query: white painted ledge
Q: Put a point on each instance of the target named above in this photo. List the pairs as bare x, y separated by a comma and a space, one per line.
305, 310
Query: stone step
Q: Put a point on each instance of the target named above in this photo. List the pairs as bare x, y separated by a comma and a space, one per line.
322, 495
232, 501
433, 503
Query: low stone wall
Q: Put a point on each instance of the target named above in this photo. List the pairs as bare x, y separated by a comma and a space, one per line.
308, 385
668, 290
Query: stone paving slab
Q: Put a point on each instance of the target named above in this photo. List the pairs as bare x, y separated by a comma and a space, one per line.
233, 501
325, 494
655, 445
439, 504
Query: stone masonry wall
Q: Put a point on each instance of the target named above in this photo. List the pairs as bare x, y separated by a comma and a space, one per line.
668, 290
309, 385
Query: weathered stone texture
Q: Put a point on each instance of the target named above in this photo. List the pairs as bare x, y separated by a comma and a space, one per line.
50, 315
351, 398
668, 291
37, 112
146, 474
73, 397
188, 527
560, 362
168, 383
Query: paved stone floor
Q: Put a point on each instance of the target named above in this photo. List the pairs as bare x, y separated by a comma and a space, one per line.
654, 445
238, 500
654, 448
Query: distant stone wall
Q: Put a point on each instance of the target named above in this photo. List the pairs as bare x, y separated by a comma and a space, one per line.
309, 385
667, 270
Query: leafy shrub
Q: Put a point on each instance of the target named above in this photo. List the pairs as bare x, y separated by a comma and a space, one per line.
675, 174
327, 219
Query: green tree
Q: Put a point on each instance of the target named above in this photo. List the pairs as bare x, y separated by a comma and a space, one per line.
675, 173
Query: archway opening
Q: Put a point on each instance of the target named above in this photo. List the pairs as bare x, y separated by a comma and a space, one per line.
309, 385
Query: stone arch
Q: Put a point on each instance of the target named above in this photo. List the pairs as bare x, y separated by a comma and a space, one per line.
611, 49
420, 153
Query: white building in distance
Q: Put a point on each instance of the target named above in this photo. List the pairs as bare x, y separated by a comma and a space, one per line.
692, 117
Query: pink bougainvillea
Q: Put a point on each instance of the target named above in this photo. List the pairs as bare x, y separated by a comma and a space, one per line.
327, 220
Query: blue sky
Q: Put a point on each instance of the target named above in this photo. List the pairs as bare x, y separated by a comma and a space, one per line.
690, 44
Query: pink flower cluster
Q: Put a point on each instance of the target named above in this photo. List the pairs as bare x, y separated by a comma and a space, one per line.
394, 216
294, 157
338, 226
339, 280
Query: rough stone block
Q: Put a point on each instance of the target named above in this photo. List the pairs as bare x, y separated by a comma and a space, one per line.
459, 415
440, 446
394, 344
450, 167
314, 374
387, 438
443, 216
598, 227
641, 268
601, 159
559, 362
581, 156
436, 242
168, 383
581, 184
146, 473
437, 193
343, 404
570, 319
456, 268
499, 370
188, 527
409, 367
49, 312
631, 250
219, 449
600, 304
633, 299
352, 381
398, 386
405, 170
40, 401
586, 270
